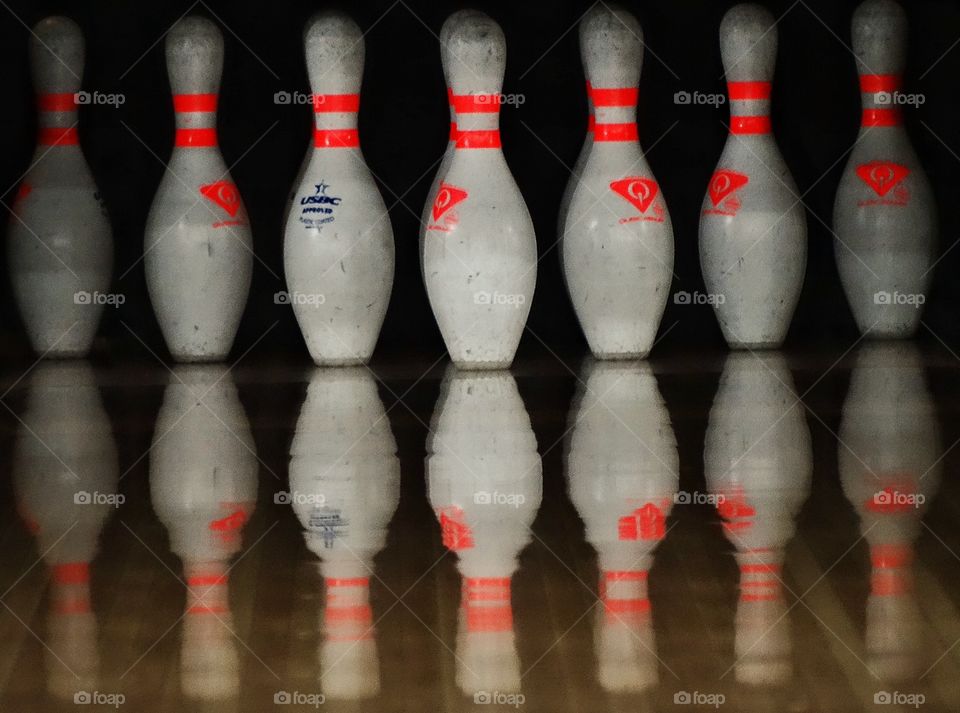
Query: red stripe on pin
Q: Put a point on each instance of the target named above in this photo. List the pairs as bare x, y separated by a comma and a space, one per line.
882, 117
71, 573
873, 83
207, 580
453, 131
194, 102
58, 136
750, 125
195, 138
489, 139
349, 582
336, 138
615, 96
336, 103
476, 103
615, 132
748, 91
57, 102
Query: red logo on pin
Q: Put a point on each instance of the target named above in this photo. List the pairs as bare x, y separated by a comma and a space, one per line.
224, 194
644, 523
447, 197
882, 176
724, 183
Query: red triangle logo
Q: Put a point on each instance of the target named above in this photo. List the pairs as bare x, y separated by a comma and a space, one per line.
639, 192
224, 194
447, 197
644, 523
724, 183
882, 176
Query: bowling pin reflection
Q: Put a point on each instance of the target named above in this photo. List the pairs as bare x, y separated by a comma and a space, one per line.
889, 466
345, 486
622, 469
65, 476
203, 485
758, 463
485, 482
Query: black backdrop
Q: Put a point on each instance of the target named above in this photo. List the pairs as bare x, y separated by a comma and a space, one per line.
403, 130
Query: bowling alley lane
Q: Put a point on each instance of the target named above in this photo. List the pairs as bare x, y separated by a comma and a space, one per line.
759, 531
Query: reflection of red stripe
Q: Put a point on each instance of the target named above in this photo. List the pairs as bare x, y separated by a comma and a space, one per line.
873, 83
740, 91
759, 597
889, 583
489, 619
750, 125
195, 138
72, 606
336, 138
635, 576
57, 102
759, 568
58, 136
360, 613
71, 573
194, 102
614, 96
488, 139
207, 580
760, 583
882, 117
626, 606
339, 103
615, 132
208, 609
349, 582
476, 103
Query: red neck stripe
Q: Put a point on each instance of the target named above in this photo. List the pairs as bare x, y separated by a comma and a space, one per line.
476, 103
336, 103
453, 131
873, 83
882, 117
58, 136
614, 96
336, 138
348, 582
71, 573
750, 125
741, 91
195, 138
615, 132
194, 102
57, 102
488, 139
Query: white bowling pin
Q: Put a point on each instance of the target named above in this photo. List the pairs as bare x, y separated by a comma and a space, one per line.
480, 251
198, 249
485, 483
758, 464
618, 240
60, 246
344, 488
753, 230
65, 473
338, 251
622, 472
890, 467
203, 487
884, 217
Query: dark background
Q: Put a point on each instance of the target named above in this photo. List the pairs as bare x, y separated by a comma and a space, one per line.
403, 130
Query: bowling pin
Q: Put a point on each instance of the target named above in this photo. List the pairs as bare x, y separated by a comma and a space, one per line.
344, 488
338, 251
885, 218
890, 468
198, 249
60, 246
203, 487
618, 240
485, 484
576, 171
753, 231
480, 251
758, 464
622, 475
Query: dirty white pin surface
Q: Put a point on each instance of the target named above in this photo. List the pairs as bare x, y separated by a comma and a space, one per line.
338, 251
753, 230
198, 249
59, 245
618, 239
885, 218
479, 252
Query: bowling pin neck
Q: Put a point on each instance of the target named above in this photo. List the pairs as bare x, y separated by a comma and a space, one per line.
194, 49
624, 594
613, 113
477, 121
207, 587
477, 55
56, 57
335, 121
748, 48
334, 49
71, 588
611, 48
487, 605
891, 570
879, 45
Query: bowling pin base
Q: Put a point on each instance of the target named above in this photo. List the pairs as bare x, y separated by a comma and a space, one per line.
341, 361
755, 345
198, 358
620, 356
